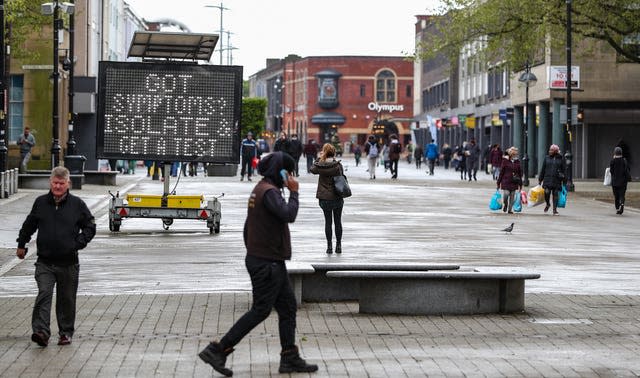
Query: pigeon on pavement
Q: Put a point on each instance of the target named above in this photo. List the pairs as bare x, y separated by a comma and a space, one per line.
508, 229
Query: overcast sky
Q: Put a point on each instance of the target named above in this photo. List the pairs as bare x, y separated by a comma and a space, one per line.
262, 29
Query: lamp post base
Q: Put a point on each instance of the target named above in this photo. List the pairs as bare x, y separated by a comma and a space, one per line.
525, 170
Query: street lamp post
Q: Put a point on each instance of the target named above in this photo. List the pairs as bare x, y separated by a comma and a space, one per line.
568, 157
53, 9
71, 143
529, 80
3, 121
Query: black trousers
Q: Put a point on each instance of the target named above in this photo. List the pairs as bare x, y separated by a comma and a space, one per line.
246, 166
65, 279
548, 191
394, 168
618, 194
271, 289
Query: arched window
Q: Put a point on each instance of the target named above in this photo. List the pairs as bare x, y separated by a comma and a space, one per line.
386, 86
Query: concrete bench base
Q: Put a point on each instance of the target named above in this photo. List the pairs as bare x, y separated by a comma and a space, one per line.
435, 293
296, 274
100, 177
41, 181
317, 287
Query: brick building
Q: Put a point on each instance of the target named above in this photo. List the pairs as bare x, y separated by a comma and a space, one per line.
348, 96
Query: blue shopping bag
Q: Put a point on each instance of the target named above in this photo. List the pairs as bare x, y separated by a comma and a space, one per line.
517, 203
496, 201
562, 197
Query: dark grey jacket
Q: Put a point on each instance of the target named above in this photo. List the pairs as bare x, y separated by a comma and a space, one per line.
552, 172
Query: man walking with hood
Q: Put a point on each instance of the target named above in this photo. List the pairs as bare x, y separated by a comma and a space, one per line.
268, 242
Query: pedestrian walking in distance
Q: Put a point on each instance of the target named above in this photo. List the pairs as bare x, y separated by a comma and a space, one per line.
372, 149
552, 177
331, 204
510, 179
65, 225
26, 141
249, 151
268, 242
620, 176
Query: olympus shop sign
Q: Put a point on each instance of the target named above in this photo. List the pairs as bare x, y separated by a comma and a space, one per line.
374, 106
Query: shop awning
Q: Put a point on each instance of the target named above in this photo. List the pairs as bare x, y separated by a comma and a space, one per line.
328, 117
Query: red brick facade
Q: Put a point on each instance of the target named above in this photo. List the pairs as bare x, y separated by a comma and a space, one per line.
352, 115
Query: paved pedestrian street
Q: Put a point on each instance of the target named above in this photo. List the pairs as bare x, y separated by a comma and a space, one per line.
150, 300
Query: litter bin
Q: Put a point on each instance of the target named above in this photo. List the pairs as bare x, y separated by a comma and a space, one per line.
75, 165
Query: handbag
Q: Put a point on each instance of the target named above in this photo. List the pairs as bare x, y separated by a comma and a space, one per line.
517, 203
562, 197
516, 179
341, 185
607, 177
496, 201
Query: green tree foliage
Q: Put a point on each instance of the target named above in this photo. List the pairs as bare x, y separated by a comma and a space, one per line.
253, 115
22, 20
516, 30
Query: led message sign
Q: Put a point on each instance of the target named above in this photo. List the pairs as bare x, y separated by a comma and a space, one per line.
169, 112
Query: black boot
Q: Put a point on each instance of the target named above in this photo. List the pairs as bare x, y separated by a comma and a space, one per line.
291, 362
338, 247
215, 356
329, 249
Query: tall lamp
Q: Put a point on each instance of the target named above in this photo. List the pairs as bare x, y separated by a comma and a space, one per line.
3, 86
529, 80
53, 9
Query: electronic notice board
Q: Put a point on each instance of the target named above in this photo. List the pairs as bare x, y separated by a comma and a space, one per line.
169, 112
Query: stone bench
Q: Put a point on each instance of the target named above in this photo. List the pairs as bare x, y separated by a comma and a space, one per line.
100, 177
477, 291
317, 287
41, 181
296, 272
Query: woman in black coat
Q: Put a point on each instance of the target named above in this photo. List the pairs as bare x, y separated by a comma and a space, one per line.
552, 177
510, 179
620, 176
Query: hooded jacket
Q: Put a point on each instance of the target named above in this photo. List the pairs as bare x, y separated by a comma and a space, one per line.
266, 229
326, 169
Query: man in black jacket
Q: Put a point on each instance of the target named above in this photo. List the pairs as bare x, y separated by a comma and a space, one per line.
65, 225
268, 242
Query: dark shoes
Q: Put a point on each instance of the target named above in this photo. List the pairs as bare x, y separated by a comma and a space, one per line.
546, 208
504, 208
555, 212
329, 250
40, 339
64, 340
291, 362
338, 248
215, 356
620, 210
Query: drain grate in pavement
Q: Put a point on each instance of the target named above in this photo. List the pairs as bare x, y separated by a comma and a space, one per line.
560, 321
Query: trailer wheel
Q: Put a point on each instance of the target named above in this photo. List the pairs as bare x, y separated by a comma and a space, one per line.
216, 229
166, 222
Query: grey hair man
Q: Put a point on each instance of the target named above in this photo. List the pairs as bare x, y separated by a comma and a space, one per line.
65, 225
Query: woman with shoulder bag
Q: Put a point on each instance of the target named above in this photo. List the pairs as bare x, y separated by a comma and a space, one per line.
620, 176
331, 204
552, 177
510, 178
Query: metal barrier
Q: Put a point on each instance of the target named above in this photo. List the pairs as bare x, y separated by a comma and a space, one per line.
8, 183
